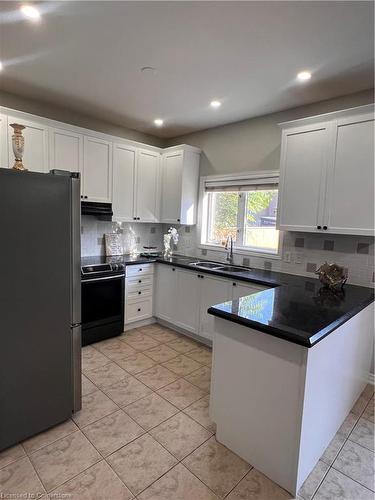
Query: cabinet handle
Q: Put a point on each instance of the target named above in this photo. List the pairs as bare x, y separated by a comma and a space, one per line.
140, 269
138, 218
234, 284
139, 309
139, 281
325, 227
319, 227
81, 196
178, 220
173, 269
139, 293
134, 218
86, 197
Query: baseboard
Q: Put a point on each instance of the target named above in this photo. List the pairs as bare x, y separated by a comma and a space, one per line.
371, 378
177, 329
139, 324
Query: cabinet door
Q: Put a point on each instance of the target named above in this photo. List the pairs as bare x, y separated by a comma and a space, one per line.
171, 183
188, 299
165, 292
350, 199
35, 157
97, 170
147, 186
124, 158
213, 291
304, 156
65, 150
243, 289
4, 159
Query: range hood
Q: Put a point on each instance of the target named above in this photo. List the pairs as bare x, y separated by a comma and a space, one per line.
102, 211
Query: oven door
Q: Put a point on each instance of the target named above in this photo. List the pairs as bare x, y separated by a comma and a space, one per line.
102, 301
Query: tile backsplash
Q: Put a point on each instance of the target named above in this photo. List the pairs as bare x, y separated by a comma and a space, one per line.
302, 253
135, 236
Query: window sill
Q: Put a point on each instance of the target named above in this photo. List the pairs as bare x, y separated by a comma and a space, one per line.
241, 251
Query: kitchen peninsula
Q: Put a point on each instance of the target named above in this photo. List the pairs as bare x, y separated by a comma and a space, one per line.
288, 365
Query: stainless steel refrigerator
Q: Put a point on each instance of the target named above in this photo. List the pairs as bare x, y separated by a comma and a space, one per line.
40, 302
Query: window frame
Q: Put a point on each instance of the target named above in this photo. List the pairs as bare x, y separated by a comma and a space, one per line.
203, 222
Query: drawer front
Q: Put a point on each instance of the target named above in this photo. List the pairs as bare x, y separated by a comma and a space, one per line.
139, 281
138, 293
139, 270
136, 311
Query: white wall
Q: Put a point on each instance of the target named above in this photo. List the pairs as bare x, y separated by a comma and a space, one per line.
254, 144
66, 115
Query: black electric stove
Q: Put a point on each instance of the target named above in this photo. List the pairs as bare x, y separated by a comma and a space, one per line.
103, 292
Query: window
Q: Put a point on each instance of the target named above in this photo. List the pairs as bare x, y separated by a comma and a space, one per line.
243, 208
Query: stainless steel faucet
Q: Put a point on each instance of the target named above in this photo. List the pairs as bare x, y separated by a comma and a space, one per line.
229, 249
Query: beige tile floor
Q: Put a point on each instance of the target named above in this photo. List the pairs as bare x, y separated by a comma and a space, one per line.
144, 432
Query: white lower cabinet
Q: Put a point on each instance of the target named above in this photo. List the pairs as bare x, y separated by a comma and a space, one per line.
165, 293
241, 289
213, 291
182, 297
188, 298
139, 281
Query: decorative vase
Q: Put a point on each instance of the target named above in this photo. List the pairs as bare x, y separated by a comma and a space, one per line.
18, 143
167, 245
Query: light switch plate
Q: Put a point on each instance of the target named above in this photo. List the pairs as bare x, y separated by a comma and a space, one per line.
287, 257
298, 258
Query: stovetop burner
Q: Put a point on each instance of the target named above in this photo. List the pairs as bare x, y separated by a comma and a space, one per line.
91, 271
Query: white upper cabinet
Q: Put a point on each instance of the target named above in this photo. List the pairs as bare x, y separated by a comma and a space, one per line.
124, 164
4, 159
303, 168
35, 156
327, 173
179, 186
171, 181
349, 206
65, 150
97, 170
147, 184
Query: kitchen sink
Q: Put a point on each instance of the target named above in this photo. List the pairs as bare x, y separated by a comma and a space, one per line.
217, 266
205, 265
231, 269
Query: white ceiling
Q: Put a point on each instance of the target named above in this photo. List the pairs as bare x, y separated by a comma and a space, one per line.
87, 56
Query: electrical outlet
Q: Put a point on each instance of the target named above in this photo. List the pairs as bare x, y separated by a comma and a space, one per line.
298, 258
287, 257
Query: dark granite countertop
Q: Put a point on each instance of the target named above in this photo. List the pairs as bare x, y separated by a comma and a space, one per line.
295, 308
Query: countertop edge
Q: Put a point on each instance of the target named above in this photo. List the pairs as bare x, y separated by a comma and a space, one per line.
285, 334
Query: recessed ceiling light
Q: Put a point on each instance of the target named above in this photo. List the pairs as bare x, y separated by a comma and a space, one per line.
303, 76
148, 70
30, 12
159, 122
215, 104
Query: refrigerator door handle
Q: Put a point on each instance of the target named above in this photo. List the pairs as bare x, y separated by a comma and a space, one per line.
77, 367
76, 250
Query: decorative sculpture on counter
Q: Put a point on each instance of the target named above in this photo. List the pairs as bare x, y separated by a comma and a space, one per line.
170, 239
332, 275
18, 143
